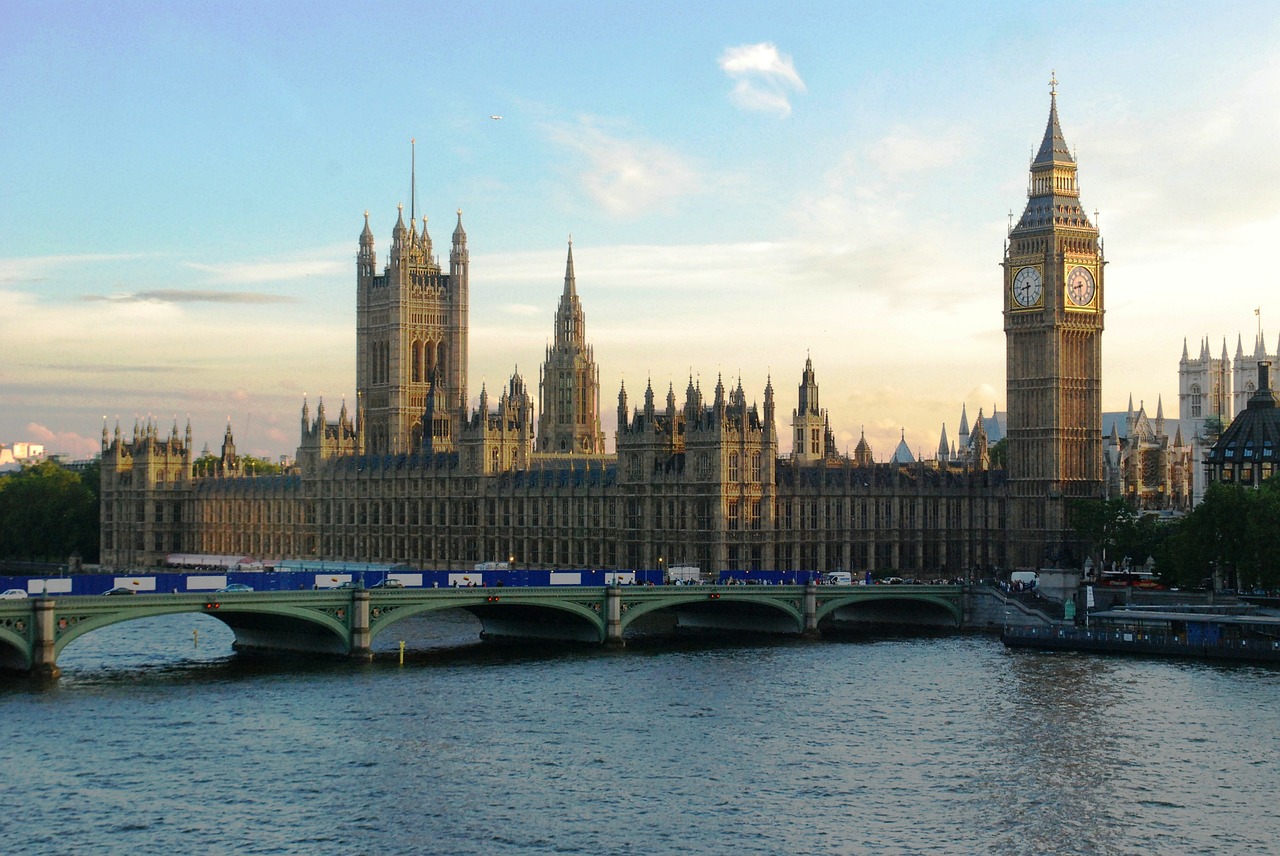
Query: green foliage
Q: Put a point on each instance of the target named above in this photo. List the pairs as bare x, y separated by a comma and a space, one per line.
1104, 523
249, 465
1114, 531
48, 513
1235, 531
999, 454
259, 466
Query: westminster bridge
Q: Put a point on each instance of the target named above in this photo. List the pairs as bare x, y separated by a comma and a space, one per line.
344, 622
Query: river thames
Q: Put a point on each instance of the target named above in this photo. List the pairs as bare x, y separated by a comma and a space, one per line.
151, 743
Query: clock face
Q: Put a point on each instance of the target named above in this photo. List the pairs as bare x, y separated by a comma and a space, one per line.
1080, 287
1028, 286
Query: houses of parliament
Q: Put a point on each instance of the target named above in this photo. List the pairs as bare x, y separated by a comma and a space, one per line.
410, 475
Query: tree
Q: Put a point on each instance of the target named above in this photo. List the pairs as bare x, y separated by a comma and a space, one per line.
1106, 524
48, 513
999, 454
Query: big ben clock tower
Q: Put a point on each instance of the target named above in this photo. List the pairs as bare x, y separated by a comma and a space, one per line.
1053, 310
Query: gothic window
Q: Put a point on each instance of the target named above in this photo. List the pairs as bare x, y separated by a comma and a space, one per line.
1195, 401
733, 467
757, 472
703, 468
733, 514
815, 441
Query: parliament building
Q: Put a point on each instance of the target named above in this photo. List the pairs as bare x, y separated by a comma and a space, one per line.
410, 475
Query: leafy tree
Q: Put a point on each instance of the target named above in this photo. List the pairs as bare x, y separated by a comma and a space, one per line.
48, 512
999, 454
1235, 531
1106, 524
249, 465
259, 466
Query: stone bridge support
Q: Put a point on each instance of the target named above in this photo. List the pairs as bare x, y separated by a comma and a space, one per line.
361, 639
811, 611
613, 617
44, 662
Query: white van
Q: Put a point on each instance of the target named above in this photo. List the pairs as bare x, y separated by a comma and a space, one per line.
838, 578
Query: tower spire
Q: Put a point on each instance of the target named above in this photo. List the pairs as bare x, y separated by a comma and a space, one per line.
570, 282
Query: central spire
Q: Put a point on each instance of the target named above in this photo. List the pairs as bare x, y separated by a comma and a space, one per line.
1053, 148
570, 284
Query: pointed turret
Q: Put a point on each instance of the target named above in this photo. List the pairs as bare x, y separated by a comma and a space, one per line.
862, 452
944, 447
1053, 148
902, 454
459, 234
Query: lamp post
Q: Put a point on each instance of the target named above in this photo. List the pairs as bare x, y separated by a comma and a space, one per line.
660, 571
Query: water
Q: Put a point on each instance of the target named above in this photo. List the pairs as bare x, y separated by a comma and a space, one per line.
149, 744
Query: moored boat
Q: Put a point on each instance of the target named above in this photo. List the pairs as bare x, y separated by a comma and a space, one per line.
1218, 633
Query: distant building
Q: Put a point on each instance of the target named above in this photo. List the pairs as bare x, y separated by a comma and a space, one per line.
19, 454
1248, 452
1212, 391
1144, 465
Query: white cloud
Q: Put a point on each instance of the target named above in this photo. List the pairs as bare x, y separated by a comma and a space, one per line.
764, 79
626, 177
62, 442
329, 262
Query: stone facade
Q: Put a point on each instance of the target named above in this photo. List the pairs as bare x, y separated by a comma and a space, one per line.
1053, 321
413, 477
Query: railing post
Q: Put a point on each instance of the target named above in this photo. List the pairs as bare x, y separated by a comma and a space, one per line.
43, 659
360, 639
613, 617
811, 611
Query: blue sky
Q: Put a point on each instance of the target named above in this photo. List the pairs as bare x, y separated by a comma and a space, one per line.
746, 184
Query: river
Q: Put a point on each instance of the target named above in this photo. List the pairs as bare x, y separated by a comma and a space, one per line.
156, 742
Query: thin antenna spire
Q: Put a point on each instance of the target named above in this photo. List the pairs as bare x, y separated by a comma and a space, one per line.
413, 178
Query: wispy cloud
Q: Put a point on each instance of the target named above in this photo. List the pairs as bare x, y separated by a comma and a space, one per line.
331, 262
174, 295
40, 268
626, 177
764, 79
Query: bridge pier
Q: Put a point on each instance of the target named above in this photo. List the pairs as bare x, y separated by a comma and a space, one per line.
810, 612
613, 617
361, 639
43, 659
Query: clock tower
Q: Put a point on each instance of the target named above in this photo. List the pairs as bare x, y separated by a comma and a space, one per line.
1053, 313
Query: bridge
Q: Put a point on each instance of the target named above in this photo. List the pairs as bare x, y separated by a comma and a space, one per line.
344, 622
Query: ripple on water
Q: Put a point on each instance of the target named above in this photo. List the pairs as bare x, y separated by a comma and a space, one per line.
904, 745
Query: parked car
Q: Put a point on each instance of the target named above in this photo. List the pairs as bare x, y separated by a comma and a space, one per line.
389, 582
120, 590
13, 594
236, 587
352, 584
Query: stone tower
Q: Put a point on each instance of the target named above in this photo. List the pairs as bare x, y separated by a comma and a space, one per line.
1053, 321
411, 339
808, 420
570, 382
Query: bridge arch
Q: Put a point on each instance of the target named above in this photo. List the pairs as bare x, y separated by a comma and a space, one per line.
15, 649
249, 632
948, 606
496, 609
720, 598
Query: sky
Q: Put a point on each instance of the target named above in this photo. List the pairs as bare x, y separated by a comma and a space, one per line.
747, 185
